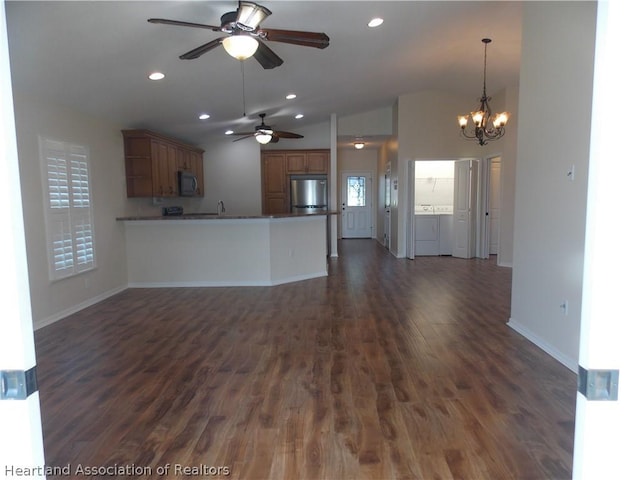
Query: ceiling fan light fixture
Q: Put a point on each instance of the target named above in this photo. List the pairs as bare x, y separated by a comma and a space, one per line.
250, 15
240, 46
264, 137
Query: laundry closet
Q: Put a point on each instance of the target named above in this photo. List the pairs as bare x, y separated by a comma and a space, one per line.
433, 207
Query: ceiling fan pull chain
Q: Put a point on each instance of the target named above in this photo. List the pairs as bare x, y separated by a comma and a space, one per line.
244, 105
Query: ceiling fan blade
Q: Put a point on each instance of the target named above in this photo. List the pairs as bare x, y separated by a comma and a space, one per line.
196, 52
243, 134
267, 57
288, 135
306, 39
242, 138
274, 139
183, 24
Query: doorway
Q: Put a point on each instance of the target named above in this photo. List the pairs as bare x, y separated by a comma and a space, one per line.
443, 203
356, 205
492, 200
387, 207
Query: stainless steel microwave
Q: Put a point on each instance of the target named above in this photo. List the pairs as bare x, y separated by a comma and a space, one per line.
187, 183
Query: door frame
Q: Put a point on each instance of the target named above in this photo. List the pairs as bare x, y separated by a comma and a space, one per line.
20, 417
371, 196
411, 200
387, 207
484, 204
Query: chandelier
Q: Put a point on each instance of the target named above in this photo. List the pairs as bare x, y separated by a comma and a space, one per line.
483, 126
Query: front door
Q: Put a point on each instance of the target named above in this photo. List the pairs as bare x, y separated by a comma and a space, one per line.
356, 205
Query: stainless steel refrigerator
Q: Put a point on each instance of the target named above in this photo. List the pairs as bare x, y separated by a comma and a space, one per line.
309, 194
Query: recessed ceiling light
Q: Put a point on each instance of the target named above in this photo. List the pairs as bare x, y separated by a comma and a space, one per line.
375, 22
204, 116
299, 115
291, 96
228, 132
156, 76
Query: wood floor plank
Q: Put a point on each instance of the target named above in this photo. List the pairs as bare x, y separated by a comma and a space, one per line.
385, 369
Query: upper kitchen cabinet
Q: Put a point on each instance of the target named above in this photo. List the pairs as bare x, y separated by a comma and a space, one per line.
307, 161
277, 166
152, 163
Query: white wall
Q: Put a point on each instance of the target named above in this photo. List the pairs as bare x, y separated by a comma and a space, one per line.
53, 300
314, 136
232, 174
508, 180
553, 134
225, 251
372, 123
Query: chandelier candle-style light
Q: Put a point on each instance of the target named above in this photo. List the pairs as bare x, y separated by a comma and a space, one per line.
483, 127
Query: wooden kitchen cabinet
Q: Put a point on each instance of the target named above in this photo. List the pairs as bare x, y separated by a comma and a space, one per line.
164, 169
197, 167
152, 163
277, 166
318, 162
307, 161
274, 183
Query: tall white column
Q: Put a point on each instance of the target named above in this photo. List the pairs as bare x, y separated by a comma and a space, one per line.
333, 182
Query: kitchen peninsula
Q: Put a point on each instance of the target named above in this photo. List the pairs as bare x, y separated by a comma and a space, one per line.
225, 250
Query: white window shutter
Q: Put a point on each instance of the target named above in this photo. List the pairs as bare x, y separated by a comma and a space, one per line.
68, 208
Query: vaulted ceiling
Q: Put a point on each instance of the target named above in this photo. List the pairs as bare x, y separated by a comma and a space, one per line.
95, 57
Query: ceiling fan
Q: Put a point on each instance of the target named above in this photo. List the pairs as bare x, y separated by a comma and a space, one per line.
246, 37
265, 134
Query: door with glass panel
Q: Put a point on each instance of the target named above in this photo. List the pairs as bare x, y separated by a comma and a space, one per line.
356, 205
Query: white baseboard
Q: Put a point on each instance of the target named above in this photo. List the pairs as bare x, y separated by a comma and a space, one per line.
76, 308
568, 362
264, 283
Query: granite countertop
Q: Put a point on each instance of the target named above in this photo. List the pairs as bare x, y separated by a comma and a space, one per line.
224, 216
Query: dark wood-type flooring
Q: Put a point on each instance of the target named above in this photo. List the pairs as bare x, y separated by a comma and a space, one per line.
386, 369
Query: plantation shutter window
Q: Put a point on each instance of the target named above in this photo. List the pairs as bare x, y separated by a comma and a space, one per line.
68, 208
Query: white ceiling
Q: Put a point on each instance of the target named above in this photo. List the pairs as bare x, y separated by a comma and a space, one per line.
95, 57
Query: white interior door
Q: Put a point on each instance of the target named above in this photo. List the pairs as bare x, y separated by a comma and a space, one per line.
494, 205
356, 205
411, 223
387, 208
464, 205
